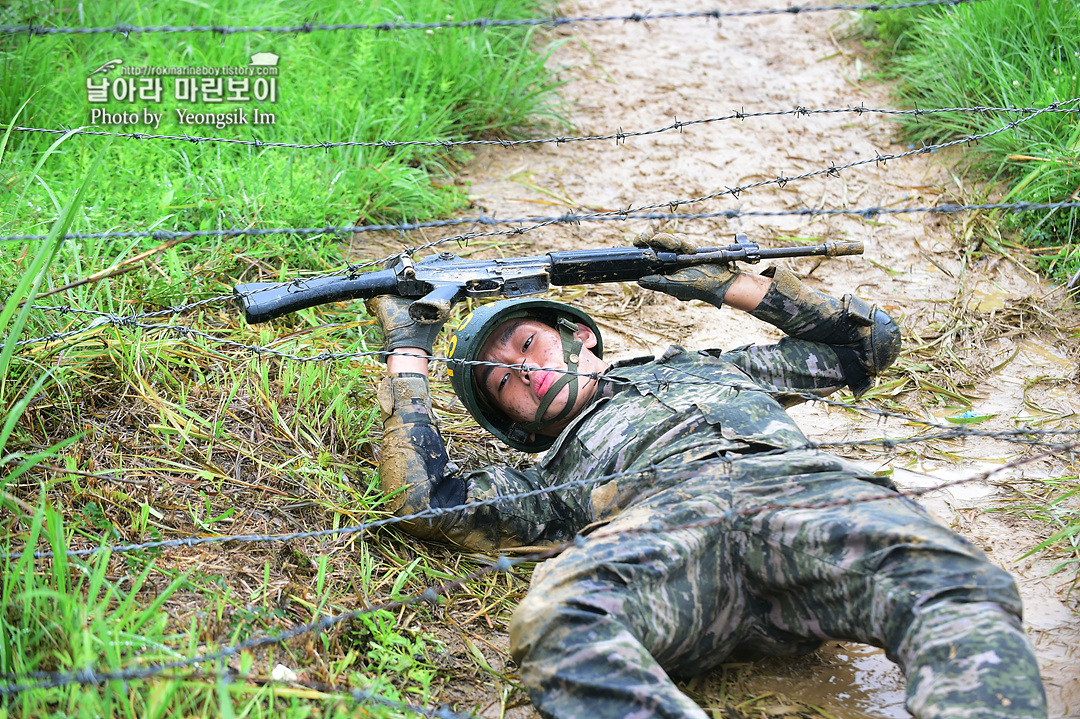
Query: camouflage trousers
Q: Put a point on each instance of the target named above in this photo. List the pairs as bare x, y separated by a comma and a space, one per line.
607, 622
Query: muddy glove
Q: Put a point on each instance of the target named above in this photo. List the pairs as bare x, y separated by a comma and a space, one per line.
708, 283
399, 329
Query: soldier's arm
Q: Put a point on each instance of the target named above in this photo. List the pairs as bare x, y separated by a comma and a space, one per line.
864, 341
864, 338
415, 470
792, 367
831, 342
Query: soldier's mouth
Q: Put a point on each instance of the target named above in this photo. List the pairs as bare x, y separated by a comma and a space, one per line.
542, 383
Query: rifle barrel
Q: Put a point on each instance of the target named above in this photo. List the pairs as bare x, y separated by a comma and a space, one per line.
829, 249
750, 252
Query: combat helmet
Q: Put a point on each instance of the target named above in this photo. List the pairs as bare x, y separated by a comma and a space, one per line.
468, 339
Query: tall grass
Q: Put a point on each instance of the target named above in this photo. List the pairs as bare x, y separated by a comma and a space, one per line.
124, 436
1002, 53
333, 86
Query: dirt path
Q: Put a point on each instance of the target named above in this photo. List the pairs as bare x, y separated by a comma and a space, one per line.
638, 77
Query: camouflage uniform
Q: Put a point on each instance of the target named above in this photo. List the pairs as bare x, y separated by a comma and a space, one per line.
608, 620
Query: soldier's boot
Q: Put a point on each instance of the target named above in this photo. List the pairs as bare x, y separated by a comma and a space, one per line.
970, 660
806, 314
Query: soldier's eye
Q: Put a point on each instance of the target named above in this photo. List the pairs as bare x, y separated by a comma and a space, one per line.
527, 343
502, 382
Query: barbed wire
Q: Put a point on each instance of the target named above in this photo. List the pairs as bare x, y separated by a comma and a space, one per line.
570, 218
620, 215
111, 318
619, 135
1018, 435
868, 213
89, 676
359, 695
430, 513
983, 476
126, 29
951, 433
184, 332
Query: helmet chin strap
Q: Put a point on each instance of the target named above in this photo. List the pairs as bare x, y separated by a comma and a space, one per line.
572, 356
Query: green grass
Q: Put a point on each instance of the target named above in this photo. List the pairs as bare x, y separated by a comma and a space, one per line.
1052, 501
72, 613
126, 436
1002, 53
333, 86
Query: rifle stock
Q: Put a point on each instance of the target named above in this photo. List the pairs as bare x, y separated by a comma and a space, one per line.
263, 301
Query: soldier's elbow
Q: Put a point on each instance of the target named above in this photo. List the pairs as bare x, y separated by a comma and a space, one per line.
884, 342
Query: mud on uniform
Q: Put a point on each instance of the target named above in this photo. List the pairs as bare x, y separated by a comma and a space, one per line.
607, 621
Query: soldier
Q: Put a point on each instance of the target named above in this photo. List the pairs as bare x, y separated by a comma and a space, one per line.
696, 494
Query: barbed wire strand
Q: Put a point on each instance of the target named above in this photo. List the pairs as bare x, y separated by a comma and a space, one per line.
184, 332
574, 218
868, 213
619, 135
569, 218
115, 319
90, 676
1019, 435
125, 29
436, 512
109, 318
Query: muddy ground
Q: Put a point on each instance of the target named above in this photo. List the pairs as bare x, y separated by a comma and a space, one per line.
980, 325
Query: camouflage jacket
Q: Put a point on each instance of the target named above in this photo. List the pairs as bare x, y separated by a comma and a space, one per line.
648, 415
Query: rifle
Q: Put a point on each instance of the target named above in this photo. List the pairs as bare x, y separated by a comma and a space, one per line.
439, 281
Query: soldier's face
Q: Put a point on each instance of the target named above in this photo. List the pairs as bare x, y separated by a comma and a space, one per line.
530, 346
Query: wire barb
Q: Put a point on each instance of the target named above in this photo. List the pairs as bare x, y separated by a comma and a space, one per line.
643, 212
618, 135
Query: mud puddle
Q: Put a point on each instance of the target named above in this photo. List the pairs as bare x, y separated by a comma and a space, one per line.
642, 76
854, 681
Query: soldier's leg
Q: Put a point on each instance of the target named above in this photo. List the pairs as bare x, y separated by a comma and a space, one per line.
884, 573
602, 621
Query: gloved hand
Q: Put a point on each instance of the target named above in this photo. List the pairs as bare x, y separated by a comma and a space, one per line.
666, 242
399, 329
704, 282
